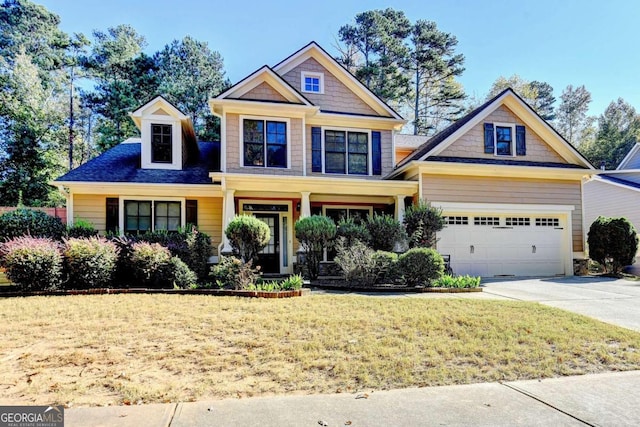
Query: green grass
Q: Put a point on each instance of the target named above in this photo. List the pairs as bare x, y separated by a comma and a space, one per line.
114, 349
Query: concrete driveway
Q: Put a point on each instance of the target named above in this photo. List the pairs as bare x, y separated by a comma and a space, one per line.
614, 301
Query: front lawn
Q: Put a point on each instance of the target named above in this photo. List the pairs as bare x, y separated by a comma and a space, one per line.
115, 349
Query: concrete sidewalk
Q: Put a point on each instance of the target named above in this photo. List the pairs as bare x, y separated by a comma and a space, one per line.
597, 399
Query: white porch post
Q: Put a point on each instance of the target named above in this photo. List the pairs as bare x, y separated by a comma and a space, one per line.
228, 214
305, 204
400, 208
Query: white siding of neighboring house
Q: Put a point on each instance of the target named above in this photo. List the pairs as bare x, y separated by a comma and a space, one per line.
611, 200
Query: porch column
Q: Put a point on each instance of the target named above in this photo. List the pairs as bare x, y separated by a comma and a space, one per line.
305, 204
229, 211
400, 208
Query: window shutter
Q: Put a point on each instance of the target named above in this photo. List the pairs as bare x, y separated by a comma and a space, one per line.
376, 155
316, 149
112, 214
191, 212
488, 138
521, 144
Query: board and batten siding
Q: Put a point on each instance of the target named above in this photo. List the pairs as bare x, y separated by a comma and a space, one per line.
472, 189
602, 198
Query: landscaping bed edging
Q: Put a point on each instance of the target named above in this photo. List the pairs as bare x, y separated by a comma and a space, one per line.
418, 290
215, 292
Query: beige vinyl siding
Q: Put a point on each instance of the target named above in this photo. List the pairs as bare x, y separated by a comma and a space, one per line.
336, 97
92, 208
387, 155
210, 219
466, 189
234, 146
264, 92
602, 198
471, 144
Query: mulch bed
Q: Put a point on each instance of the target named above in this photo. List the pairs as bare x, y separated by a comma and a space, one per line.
340, 285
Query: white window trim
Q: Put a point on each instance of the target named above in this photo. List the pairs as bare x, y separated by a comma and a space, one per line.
319, 76
122, 214
176, 142
265, 119
346, 166
513, 139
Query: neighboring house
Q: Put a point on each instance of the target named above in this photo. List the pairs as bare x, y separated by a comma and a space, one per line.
615, 193
305, 137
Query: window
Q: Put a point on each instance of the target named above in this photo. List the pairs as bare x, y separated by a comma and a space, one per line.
138, 216
161, 147
456, 220
346, 152
265, 139
486, 220
504, 139
547, 222
518, 222
312, 82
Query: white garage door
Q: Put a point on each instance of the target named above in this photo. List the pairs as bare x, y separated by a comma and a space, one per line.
504, 245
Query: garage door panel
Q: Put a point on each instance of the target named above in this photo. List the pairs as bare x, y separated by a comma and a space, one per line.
516, 245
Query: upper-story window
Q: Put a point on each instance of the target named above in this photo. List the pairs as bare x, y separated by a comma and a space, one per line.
504, 140
161, 143
346, 152
312, 82
265, 143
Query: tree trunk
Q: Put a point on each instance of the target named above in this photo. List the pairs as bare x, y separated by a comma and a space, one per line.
416, 107
71, 120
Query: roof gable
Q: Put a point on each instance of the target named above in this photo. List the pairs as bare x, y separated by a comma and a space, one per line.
508, 98
264, 75
632, 159
157, 106
313, 50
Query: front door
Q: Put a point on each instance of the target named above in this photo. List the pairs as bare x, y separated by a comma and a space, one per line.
269, 257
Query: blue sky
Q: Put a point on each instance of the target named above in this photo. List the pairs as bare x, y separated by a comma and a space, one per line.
595, 43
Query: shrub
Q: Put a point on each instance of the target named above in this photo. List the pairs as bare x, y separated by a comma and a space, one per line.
81, 228
314, 234
123, 274
422, 222
190, 245
247, 236
351, 231
32, 263
292, 283
362, 265
151, 264
613, 242
385, 232
233, 273
29, 222
183, 276
419, 266
90, 262
448, 281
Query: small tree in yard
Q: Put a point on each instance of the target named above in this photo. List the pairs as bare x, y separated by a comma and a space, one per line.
613, 242
314, 234
248, 236
385, 232
422, 222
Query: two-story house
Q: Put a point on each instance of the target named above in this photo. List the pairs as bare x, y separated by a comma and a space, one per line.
306, 137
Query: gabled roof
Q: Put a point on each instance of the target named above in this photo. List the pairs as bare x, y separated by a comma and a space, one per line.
122, 164
315, 51
265, 74
508, 97
618, 181
629, 157
160, 105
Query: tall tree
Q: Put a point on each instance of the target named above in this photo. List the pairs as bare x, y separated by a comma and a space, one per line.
572, 120
618, 131
125, 78
378, 36
437, 97
539, 95
189, 73
75, 51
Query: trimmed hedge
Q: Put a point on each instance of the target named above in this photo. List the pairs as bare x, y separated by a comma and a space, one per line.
420, 266
151, 265
32, 263
247, 235
315, 234
90, 262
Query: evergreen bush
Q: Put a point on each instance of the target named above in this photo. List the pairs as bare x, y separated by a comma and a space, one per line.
30, 222
613, 242
315, 234
248, 236
420, 266
384, 231
422, 222
90, 262
81, 228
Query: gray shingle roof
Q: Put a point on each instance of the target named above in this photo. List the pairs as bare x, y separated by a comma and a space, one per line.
620, 181
507, 162
122, 164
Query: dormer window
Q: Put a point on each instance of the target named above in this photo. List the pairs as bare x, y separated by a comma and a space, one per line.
312, 82
161, 143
